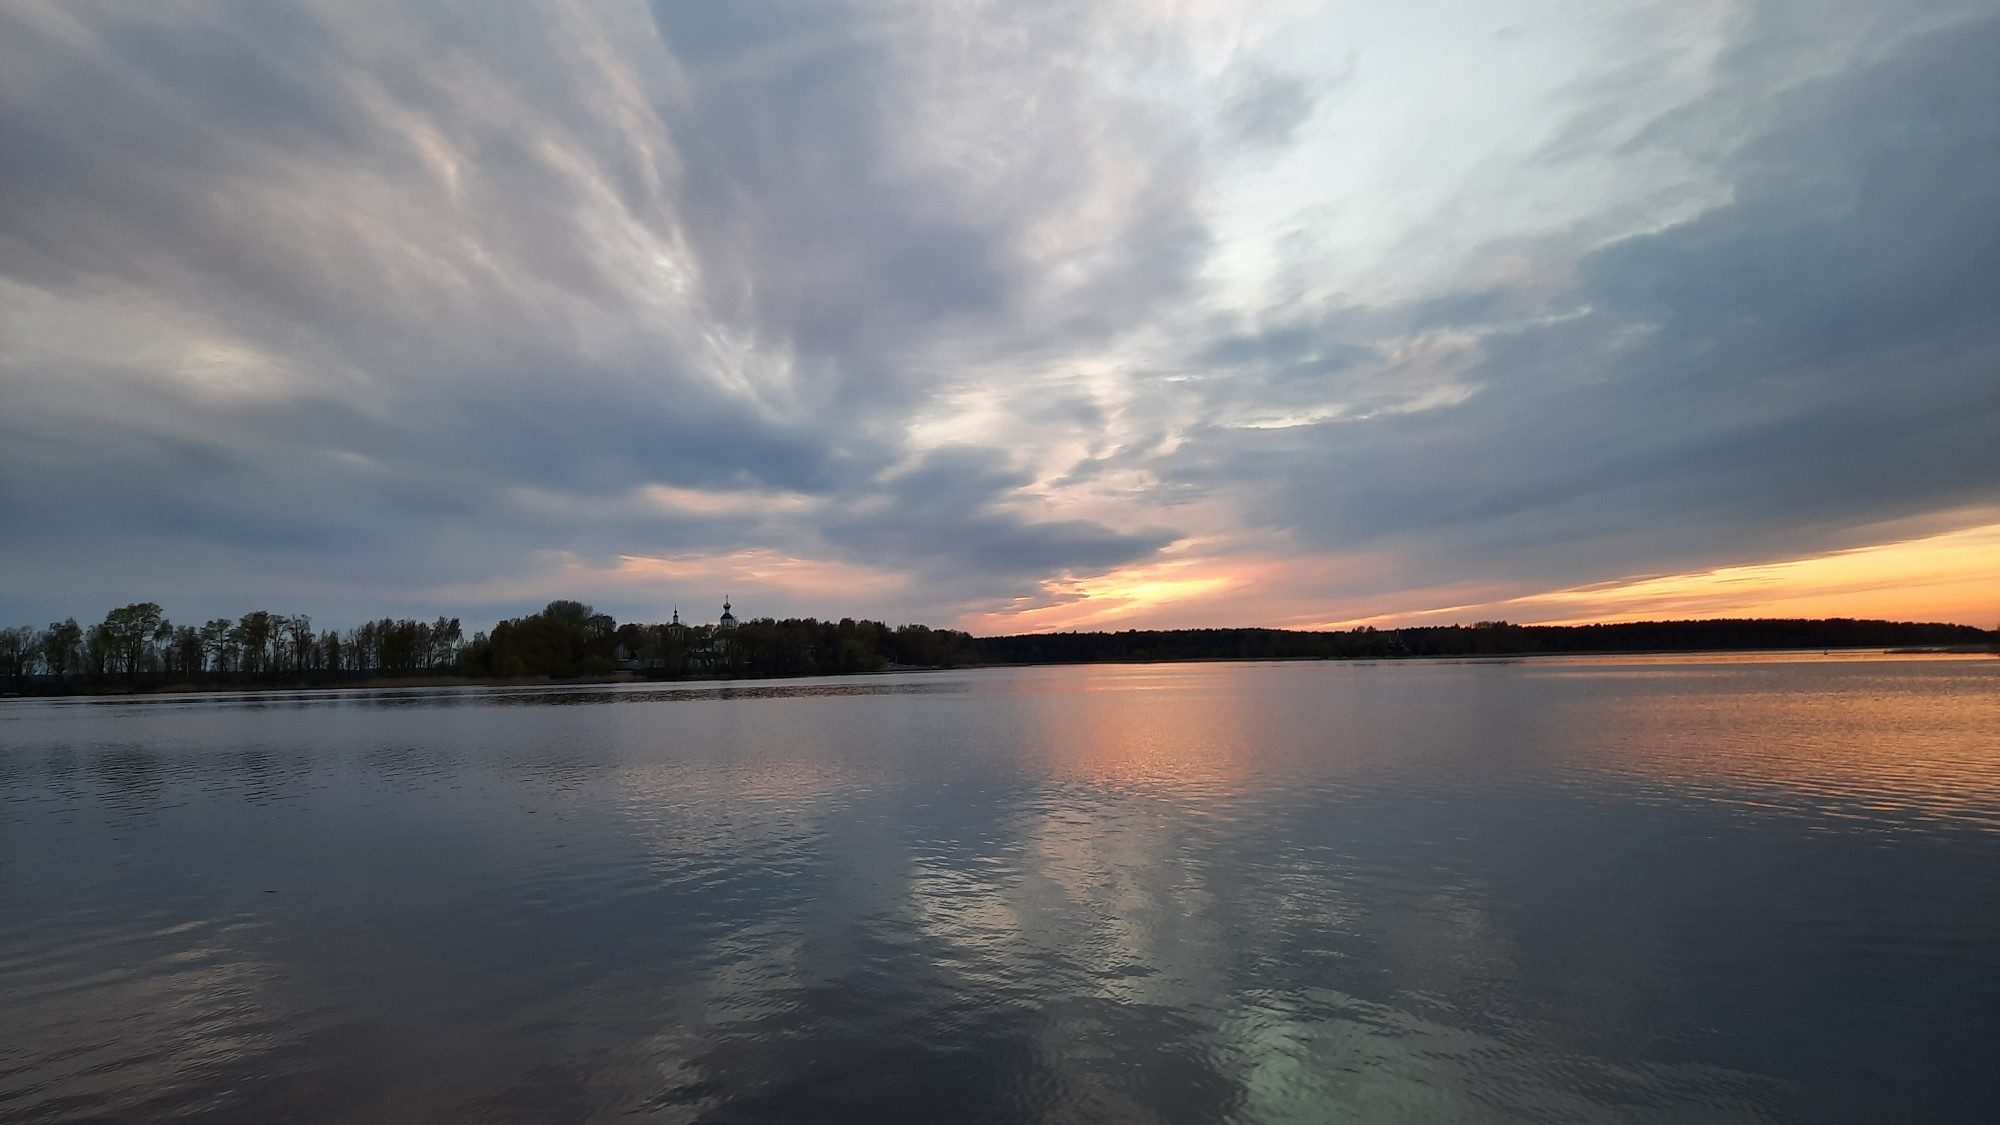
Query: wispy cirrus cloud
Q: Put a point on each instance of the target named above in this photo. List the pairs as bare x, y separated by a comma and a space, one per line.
1009, 303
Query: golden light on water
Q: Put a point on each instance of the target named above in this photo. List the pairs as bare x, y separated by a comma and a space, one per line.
1156, 730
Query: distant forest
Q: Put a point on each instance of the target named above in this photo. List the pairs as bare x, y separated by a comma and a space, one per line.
1487, 638
135, 647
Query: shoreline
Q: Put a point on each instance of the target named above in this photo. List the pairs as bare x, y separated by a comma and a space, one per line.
392, 683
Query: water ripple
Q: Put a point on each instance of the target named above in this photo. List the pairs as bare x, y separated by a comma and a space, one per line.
1668, 890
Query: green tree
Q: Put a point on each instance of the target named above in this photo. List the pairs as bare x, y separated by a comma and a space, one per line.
565, 639
218, 644
62, 648
97, 652
130, 633
20, 650
447, 641
252, 635
303, 642
187, 651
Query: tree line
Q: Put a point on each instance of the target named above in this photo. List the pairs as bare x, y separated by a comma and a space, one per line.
1486, 638
569, 638
136, 647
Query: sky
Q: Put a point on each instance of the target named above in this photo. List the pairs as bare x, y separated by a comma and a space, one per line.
1012, 316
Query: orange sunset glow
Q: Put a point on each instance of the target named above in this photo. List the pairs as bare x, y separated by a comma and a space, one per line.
1950, 576
886, 561
1259, 339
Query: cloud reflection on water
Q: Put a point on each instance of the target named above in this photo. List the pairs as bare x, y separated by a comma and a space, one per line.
1548, 891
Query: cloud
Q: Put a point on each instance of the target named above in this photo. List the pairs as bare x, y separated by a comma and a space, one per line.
436, 307
327, 296
946, 517
1765, 379
1266, 108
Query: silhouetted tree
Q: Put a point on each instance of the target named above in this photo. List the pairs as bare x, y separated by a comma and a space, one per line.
136, 643
19, 651
62, 648
186, 649
97, 651
130, 633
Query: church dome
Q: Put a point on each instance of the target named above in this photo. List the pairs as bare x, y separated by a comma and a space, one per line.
728, 619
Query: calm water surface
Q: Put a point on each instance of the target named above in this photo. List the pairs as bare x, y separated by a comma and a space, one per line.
1675, 890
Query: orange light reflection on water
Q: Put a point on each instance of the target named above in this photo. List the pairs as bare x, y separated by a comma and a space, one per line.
1866, 747
1154, 728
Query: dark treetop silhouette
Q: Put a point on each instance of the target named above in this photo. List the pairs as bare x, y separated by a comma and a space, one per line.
135, 647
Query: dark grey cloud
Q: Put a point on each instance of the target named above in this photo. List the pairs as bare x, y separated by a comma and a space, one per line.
794, 185
452, 258
1265, 107
1292, 352
837, 218
1819, 354
307, 303
948, 518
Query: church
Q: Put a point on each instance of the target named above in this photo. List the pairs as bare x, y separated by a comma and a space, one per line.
681, 647
722, 625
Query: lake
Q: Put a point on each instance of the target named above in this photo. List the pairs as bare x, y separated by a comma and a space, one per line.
1672, 889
